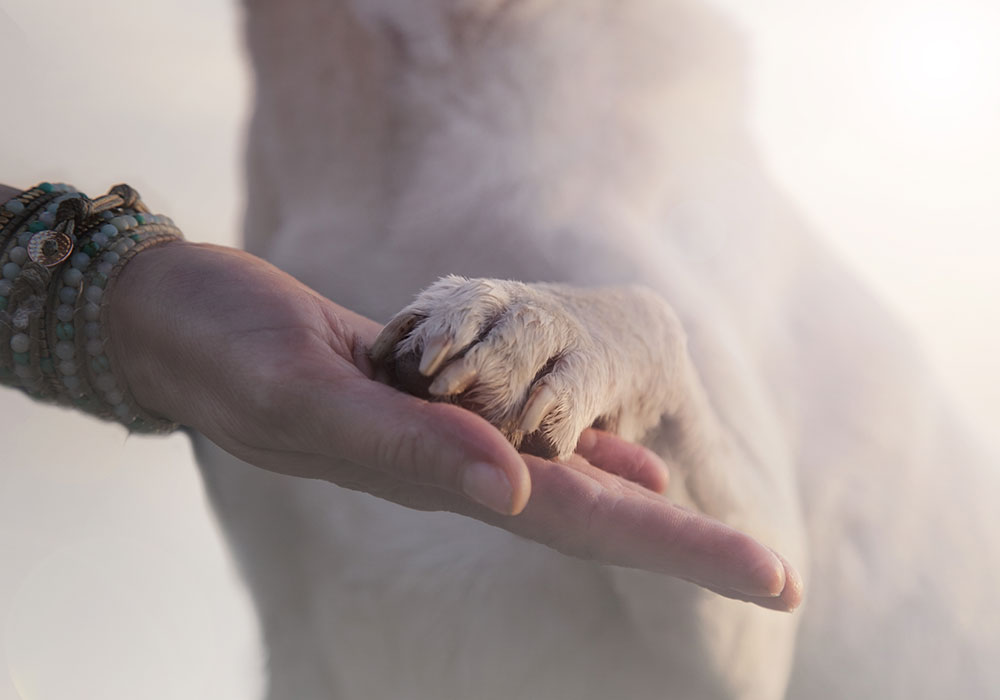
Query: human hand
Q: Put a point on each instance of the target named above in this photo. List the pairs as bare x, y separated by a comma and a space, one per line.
280, 377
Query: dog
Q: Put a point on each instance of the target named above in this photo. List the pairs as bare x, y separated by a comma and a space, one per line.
574, 187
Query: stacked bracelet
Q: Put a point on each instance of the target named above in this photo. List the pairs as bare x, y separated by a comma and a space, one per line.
59, 252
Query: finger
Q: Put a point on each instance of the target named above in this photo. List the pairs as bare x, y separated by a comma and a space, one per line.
626, 459
788, 600
585, 513
419, 442
560, 530
791, 594
362, 478
635, 529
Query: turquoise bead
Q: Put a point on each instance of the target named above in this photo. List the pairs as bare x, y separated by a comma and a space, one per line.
72, 277
3, 303
65, 350
18, 254
20, 342
46, 365
80, 260
100, 363
106, 383
140, 218
46, 187
21, 358
36, 226
64, 312
64, 331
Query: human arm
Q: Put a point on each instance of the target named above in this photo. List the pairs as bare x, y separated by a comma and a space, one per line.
225, 343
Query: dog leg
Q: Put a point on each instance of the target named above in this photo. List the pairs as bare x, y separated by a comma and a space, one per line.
542, 363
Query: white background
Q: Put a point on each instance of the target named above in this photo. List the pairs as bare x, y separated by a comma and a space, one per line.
881, 118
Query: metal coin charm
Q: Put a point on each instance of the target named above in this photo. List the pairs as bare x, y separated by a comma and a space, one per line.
49, 248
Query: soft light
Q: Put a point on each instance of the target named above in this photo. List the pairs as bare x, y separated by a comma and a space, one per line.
937, 66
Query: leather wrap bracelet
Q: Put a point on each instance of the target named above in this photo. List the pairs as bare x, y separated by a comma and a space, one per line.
60, 254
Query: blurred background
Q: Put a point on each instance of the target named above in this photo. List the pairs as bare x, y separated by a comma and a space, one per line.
881, 118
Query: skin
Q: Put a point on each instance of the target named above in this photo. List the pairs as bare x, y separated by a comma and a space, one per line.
223, 342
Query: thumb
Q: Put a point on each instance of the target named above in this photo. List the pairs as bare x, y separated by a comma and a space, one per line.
425, 443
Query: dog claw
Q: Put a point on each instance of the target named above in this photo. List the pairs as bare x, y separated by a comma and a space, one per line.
391, 334
538, 406
453, 380
435, 353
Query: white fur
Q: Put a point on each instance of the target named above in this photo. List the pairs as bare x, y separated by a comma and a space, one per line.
610, 356
587, 143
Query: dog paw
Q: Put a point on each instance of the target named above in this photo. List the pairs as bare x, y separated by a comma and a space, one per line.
511, 352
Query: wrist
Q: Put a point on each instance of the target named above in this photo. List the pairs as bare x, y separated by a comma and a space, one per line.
139, 325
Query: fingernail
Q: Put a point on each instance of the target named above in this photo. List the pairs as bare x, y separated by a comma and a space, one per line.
488, 486
792, 592
767, 581
587, 440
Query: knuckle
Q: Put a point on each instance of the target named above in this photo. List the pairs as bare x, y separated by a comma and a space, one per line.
405, 454
599, 518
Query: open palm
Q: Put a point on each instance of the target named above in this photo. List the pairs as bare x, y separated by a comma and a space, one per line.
275, 374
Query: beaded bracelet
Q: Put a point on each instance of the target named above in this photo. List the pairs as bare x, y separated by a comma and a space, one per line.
60, 252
